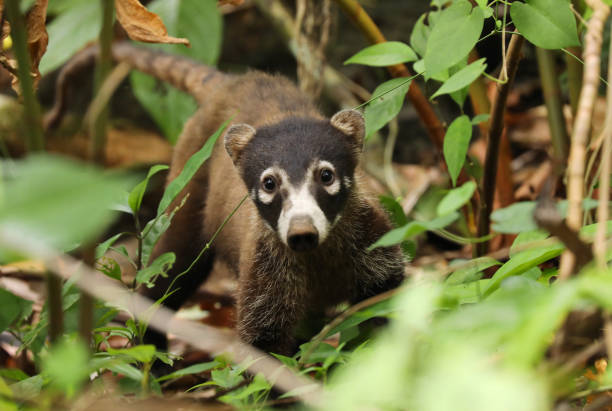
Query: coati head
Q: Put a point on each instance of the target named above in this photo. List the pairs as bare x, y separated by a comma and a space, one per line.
299, 172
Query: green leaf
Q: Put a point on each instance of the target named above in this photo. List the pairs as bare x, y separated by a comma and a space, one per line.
141, 353
383, 55
472, 272
191, 167
192, 369
480, 118
522, 262
395, 210
69, 32
548, 24
13, 308
154, 230
226, 377
14, 374
159, 266
136, 195
455, 146
58, 201
413, 228
28, 388
525, 238
462, 78
419, 35
103, 247
456, 198
386, 104
199, 21
66, 366
453, 36
6, 396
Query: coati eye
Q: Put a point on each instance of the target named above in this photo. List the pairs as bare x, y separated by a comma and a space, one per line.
327, 176
268, 184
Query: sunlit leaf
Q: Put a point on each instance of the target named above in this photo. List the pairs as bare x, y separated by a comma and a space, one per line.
387, 103
549, 24
456, 144
383, 54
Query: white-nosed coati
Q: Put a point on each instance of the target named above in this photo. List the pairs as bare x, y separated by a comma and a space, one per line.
299, 244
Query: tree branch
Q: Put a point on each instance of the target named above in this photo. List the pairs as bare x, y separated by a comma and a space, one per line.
582, 126
495, 133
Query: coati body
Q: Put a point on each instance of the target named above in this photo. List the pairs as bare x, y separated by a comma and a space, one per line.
298, 244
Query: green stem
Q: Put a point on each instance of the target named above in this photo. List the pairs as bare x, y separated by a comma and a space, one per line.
32, 117
98, 137
54, 301
554, 105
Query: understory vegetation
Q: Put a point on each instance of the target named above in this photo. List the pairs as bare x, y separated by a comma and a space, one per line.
507, 299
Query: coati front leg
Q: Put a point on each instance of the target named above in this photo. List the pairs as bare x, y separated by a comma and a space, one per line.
271, 303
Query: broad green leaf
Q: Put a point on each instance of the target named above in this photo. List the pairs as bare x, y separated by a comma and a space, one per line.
471, 272
384, 54
380, 309
413, 228
137, 193
480, 118
225, 377
159, 266
398, 218
154, 230
549, 24
452, 37
13, 309
419, 35
456, 198
462, 78
58, 201
66, 366
28, 388
455, 146
70, 31
387, 103
522, 262
527, 237
191, 167
103, 247
199, 21
6, 396
14, 374
128, 370
192, 369
141, 353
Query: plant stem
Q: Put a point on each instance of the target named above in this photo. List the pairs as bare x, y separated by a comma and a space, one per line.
364, 22
86, 302
98, 137
32, 117
495, 134
554, 106
582, 126
54, 301
574, 77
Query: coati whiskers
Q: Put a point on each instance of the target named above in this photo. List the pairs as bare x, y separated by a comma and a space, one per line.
299, 244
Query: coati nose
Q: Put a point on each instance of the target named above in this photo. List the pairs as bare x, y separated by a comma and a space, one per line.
302, 234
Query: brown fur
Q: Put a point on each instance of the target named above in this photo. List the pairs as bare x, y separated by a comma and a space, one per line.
277, 287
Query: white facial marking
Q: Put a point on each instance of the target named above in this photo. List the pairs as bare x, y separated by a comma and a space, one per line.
347, 182
302, 204
333, 188
262, 195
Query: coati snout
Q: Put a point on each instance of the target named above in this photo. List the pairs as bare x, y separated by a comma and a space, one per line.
299, 172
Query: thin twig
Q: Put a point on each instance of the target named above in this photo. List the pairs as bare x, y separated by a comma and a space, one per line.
203, 337
582, 126
318, 339
554, 104
495, 132
599, 245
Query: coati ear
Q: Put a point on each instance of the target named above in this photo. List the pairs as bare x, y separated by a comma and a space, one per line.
352, 124
236, 139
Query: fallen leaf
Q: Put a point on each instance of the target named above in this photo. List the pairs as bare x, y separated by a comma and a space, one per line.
37, 36
143, 25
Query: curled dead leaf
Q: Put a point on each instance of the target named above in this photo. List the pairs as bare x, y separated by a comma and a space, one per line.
37, 35
143, 25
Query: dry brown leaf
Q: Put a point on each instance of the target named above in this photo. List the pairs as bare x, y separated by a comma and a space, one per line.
143, 25
37, 36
